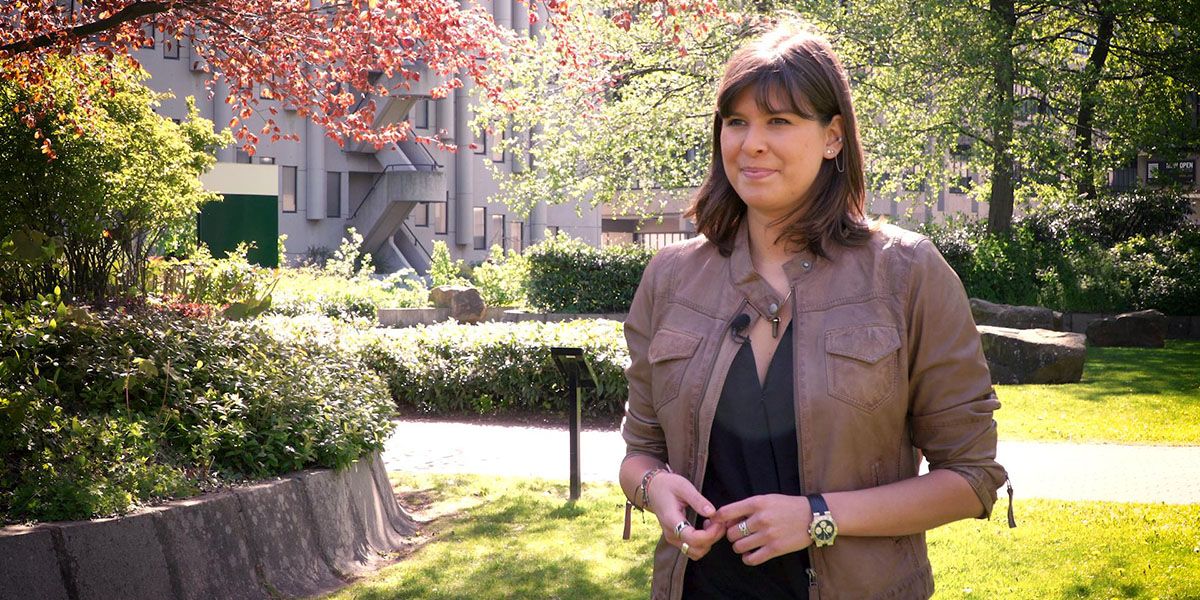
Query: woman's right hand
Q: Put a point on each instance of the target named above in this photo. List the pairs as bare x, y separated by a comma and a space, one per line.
670, 496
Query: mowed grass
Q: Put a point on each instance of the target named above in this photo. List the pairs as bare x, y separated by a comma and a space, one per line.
493, 538
1127, 395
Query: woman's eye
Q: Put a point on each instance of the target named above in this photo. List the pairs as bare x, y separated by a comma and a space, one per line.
734, 121
779, 121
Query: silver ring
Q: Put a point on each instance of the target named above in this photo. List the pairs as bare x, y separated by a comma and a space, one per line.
680, 526
684, 547
745, 529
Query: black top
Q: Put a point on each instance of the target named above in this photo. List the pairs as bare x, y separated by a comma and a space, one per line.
752, 451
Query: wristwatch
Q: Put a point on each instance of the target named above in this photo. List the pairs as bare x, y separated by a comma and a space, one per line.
823, 529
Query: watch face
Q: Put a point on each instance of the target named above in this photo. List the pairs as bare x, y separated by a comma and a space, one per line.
823, 530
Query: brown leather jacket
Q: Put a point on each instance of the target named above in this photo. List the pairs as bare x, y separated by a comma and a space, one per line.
887, 361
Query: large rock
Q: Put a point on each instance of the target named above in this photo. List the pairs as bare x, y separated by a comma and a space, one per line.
1015, 317
465, 303
1141, 329
1033, 355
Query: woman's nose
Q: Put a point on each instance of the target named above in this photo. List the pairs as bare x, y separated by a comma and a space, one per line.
754, 142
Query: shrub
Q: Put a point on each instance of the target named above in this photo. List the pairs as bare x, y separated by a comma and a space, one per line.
568, 275
101, 412
502, 279
498, 366
443, 270
1162, 271
1110, 218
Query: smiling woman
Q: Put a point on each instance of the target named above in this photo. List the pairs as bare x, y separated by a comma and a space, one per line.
789, 367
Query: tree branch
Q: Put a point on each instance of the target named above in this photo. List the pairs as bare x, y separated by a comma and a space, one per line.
129, 13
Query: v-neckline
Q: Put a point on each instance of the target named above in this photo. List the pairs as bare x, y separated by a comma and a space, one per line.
748, 346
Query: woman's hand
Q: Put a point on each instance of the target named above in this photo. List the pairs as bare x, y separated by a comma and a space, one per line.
670, 496
777, 524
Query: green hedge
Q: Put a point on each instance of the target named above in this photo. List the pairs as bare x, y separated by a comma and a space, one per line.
100, 413
498, 366
569, 276
1116, 253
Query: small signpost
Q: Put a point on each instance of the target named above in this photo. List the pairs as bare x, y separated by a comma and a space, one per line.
579, 374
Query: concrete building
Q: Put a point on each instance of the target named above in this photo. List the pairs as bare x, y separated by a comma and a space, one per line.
400, 198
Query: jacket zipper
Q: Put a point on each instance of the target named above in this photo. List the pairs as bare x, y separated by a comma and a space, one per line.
678, 589
812, 568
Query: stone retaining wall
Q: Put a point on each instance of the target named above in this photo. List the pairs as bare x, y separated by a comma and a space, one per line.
300, 535
408, 317
1178, 328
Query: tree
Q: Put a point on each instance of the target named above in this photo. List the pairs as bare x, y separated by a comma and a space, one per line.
328, 59
123, 179
640, 132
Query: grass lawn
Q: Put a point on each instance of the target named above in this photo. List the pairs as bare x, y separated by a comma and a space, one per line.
518, 538
1127, 395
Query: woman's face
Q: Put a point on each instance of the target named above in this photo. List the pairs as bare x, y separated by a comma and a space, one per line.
771, 159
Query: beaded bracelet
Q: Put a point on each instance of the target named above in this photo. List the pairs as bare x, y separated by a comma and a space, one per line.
644, 488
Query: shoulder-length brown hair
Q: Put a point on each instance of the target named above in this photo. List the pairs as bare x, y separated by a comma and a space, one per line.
792, 63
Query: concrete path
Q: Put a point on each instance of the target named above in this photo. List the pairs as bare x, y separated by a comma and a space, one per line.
1038, 470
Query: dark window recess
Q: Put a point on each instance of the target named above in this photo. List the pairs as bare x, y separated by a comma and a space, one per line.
516, 235
498, 232
171, 49
287, 189
439, 216
479, 227
243, 158
333, 195
420, 215
960, 186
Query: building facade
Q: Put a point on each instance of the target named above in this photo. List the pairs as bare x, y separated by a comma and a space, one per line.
400, 198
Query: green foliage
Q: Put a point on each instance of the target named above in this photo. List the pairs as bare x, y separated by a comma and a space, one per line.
568, 275
443, 270
203, 279
498, 366
314, 291
502, 279
1062, 256
349, 261
99, 413
124, 178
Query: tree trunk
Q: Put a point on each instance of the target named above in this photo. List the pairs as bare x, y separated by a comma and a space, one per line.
1085, 153
1000, 203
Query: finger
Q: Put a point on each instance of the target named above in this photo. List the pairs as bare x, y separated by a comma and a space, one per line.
732, 513
758, 556
735, 532
698, 502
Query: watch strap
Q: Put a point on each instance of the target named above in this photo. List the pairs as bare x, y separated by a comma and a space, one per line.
817, 503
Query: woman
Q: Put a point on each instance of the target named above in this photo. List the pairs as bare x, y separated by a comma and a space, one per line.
789, 367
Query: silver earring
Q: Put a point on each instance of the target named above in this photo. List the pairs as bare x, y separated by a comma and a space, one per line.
840, 164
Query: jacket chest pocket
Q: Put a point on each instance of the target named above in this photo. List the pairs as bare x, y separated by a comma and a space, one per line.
861, 364
669, 354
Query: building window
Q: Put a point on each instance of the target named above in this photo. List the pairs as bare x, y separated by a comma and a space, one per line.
498, 149
264, 91
481, 143
516, 236
960, 186
439, 216
287, 191
266, 160
421, 119
171, 48
498, 232
333, 195
552, 230
242, 157
420, 215
479, 227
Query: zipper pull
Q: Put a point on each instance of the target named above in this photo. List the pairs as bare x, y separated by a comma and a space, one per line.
812, 582
1012, 521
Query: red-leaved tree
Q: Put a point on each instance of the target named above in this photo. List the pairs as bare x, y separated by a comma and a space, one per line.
327, 59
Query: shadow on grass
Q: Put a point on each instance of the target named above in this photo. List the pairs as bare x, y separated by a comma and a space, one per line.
1112, 373
1107, 582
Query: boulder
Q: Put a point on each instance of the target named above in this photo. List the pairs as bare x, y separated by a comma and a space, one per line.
1141, 329
1015, 317
465, 303
1033, 355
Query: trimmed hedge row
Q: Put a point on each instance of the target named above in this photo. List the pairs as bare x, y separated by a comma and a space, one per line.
493, 367
567, 275
100, 413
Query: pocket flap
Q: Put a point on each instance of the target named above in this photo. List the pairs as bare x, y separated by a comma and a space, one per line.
867, 344
671, 345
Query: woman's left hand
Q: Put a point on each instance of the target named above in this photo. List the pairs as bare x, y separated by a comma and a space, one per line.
777, 524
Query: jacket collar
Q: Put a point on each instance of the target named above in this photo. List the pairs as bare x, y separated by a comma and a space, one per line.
751, 285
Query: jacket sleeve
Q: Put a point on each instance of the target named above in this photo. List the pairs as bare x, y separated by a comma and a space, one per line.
640, 427
950, 391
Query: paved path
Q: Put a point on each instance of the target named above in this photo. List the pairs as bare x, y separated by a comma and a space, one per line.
1038, 470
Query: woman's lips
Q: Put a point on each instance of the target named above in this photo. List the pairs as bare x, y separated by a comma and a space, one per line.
756, 173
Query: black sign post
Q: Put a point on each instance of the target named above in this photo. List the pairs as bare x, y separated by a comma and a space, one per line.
579, 374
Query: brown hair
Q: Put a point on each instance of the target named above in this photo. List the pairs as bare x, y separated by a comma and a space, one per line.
800, 66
